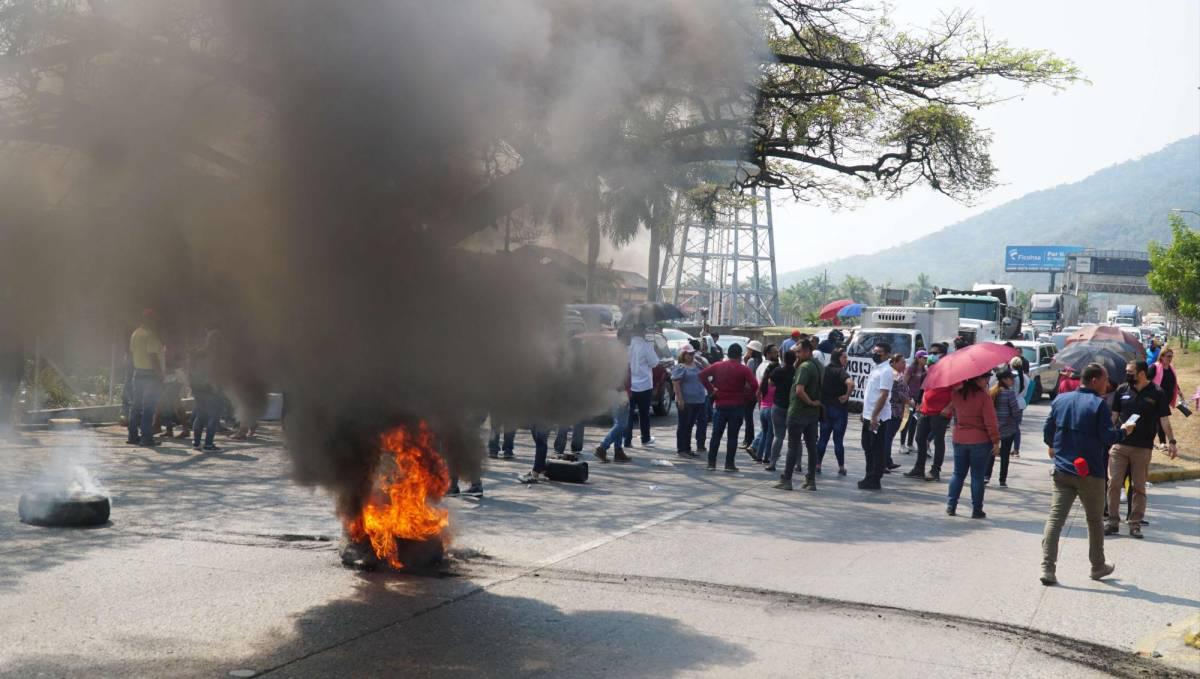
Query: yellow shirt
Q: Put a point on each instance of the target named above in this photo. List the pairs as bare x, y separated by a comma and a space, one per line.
146, 350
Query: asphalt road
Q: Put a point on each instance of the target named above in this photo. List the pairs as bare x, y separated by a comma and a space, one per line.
214, 564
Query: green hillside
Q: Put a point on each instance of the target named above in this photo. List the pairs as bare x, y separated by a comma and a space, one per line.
1120, 207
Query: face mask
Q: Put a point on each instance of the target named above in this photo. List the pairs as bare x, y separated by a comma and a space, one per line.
933, 358
1131, 379
878, 358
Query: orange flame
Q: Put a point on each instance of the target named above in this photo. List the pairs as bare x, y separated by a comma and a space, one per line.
411, 478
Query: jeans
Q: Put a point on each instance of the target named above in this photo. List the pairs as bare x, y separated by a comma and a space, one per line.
1090, 491
702, 420
688, 414
206, 416
748, 418
833, 425
639, 401
510, 437
766, 432
725, 417
931, 427
1006, 446
801, 427
620, 418
779, 426
909, 433
872, 444
969, 458
889, 429
541, 447
144, 403
560, 441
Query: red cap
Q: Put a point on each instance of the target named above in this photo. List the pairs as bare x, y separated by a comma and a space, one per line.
795, 333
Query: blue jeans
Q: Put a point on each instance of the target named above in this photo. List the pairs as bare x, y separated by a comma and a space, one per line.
206, 415
620, 418
541, 447
833, 425
702, 420
972, 458
766, 433
143, 404
1017, 439
689, 413
560, 441
725, 418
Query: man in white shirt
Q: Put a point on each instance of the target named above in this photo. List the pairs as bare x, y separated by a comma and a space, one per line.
877, 409
642, 361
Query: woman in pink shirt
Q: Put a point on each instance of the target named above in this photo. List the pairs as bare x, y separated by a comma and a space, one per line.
976, 441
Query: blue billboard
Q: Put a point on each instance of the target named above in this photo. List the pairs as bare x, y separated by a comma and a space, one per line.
1051, 258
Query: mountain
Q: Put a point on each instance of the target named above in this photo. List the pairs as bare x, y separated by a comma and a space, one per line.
1121, 208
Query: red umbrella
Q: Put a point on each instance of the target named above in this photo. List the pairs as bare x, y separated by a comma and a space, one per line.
1109, 333
829, 311
967, 363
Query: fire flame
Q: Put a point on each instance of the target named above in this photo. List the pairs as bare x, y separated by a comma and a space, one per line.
411, 478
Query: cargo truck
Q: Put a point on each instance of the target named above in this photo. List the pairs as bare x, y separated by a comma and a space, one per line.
906, 329
984, 314
1129, 314
1059, 310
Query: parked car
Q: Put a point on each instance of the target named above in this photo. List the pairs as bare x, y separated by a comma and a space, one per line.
725, 341
676, 339
1039, 355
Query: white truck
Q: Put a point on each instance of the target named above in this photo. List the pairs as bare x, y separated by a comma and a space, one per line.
984, 312
906, 329
1057, 309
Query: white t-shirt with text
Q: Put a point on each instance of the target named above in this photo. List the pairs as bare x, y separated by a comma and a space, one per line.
881, 380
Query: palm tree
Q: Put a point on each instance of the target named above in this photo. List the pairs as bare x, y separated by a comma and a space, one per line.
922, 290
857, 289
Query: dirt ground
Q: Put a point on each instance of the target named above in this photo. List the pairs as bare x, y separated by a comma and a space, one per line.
1187, 429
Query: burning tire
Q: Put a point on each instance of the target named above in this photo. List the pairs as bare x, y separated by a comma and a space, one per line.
73, 511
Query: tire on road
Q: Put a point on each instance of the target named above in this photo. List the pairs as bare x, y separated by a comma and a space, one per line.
75, 511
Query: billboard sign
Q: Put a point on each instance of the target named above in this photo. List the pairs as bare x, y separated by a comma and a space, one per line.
1048, 258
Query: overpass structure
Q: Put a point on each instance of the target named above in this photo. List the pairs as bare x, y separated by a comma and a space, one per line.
1108, 271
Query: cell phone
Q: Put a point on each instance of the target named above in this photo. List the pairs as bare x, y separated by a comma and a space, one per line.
1133, 419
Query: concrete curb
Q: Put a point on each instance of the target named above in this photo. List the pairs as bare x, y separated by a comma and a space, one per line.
1168, 475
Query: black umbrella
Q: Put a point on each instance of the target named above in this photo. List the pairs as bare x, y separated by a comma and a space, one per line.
1112, 355
649, 313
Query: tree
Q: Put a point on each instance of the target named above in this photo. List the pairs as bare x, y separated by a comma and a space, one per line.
1175, 271
922, 289
855, 288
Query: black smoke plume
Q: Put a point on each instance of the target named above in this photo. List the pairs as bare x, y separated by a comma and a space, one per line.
299, 173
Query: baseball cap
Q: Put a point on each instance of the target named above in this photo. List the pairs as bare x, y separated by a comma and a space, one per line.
921, 353
796, 333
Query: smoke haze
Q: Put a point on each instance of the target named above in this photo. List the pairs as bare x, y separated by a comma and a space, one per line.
296, 173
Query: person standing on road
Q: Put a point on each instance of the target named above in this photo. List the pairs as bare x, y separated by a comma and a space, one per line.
804, 412
206, 397
689, 398
914, 378
642, 361
705, 414
766, 393
754, 358
1008, 419
1079, 430
901, 401
1024, 391
1166, 379
789, 344
976, 440
620, 418
781, 381
1141, 398
730, 383
935, 417
836, 386
877, 409
149, 364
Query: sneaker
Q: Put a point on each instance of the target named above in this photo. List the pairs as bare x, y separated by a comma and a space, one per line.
1135, 532
692, 455
711, 468
865, 485
892, 466
684, 453
783, 484
1048, 578
620, 456
650, 443
1111, 529
508, 455
914, 474
531, 478
211, 449
841, 471
731, 468
987, 480
1016, 453
494, 456
745, 446
950, 511
196, 446
453, 490
979, 515
809, 484
933, 477
475, 490
601, 454
129, 442
1102, 572
1004, 484
769, 468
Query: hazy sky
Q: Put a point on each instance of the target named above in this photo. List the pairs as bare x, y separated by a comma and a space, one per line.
1143, 61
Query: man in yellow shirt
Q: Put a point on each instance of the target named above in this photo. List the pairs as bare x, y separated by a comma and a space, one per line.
149, 364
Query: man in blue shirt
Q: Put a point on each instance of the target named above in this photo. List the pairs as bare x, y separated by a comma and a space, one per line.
1079, 431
